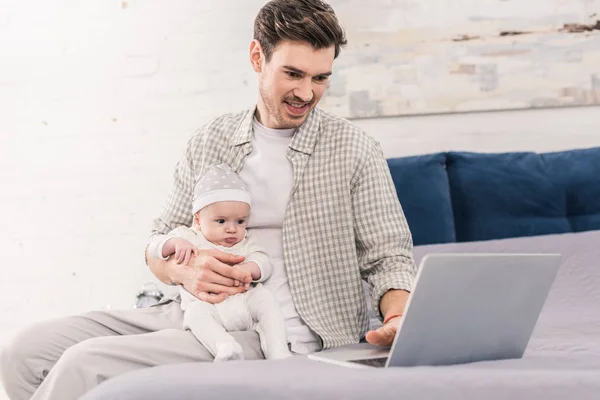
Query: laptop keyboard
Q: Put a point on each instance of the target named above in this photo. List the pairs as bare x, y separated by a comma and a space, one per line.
371, 362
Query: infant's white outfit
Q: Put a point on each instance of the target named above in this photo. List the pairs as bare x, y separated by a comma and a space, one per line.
256, 309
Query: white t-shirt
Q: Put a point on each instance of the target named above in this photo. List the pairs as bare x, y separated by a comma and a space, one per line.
269, 177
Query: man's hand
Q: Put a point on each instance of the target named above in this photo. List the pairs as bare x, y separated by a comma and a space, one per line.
384, 336
212, 277
392, 306
252, 268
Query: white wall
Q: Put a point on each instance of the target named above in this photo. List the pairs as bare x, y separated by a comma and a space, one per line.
540, 130
97, 100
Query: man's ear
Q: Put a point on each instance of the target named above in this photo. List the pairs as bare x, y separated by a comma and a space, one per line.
256, 56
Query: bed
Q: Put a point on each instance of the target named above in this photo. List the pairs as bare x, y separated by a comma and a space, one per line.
562, 359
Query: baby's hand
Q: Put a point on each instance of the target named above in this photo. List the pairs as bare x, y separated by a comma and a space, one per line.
184, 251
251, 267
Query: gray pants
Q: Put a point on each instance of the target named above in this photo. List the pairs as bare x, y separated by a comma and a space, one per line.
65, 358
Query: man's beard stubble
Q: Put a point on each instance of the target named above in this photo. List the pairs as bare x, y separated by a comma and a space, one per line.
276, 112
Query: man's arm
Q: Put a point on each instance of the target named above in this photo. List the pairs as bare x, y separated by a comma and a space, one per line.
383, 239
253, 268
164, 270
209, 276
392, 305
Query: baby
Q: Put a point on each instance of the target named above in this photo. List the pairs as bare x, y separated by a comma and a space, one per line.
221, 206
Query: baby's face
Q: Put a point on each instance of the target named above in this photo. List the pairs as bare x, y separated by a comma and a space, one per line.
223, 223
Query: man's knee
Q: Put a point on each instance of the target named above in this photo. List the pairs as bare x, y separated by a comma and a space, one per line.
19, 363
25, 344
87, 355
77, 355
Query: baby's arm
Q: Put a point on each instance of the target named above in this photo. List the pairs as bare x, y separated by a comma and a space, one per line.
257, 262
163, 246
182, 249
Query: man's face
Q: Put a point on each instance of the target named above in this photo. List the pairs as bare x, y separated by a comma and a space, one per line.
291, 83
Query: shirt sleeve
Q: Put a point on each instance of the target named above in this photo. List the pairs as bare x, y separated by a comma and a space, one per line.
259, 256
383, 239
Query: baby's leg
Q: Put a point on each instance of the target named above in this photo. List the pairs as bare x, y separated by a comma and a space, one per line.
202, 320
269, 322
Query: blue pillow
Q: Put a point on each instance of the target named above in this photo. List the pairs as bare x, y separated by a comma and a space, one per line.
578, 171
422, 187
505, 195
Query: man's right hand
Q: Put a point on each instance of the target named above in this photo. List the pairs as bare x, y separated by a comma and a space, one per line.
211, 277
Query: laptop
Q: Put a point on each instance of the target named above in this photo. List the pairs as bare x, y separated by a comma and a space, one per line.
464, 308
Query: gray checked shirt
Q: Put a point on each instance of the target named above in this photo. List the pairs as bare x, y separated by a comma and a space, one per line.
343, 221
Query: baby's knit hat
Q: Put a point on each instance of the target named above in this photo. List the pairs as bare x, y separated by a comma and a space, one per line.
219, 183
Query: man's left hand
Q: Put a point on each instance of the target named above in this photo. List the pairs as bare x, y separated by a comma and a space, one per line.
384, 336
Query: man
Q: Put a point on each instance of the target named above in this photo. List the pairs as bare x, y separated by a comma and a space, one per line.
324, 206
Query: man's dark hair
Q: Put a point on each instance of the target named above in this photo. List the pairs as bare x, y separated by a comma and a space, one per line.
310, 21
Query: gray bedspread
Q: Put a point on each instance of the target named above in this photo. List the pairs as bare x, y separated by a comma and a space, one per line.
562, 360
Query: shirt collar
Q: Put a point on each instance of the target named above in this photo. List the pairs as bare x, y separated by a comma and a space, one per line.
304, 140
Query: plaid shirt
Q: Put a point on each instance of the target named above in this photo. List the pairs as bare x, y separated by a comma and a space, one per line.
343, 220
